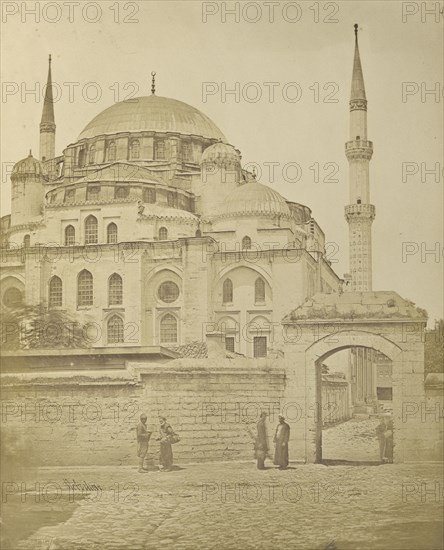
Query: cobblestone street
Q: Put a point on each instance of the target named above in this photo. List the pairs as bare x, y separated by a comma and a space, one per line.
230, 506
354, 440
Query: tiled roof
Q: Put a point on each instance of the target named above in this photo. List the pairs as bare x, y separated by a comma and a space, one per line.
197, 350
349, 306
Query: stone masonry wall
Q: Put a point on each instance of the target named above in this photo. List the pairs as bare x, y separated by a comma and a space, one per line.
90, 418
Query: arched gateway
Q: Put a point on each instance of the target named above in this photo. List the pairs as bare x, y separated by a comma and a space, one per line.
381, 321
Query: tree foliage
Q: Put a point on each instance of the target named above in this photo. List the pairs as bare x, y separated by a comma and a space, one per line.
38, 327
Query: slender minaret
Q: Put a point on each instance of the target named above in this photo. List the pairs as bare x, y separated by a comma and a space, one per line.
47, 124
359, 213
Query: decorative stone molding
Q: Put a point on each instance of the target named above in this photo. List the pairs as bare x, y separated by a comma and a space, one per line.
358, 105
359, 150
353, 211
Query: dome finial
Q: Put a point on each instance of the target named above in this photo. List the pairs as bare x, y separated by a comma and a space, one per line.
50, 59
356, 32
153, 82
30, 153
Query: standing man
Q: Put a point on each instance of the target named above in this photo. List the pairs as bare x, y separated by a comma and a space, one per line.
166, 435
380, 430
384, 432
281, 438
261, 444
143, 437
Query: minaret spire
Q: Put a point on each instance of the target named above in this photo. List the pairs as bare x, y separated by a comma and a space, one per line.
357, 88
359, 213
47, 124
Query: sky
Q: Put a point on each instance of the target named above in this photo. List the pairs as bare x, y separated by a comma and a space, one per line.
104, 52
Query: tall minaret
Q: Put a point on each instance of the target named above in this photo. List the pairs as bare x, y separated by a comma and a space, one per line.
47, 124
359, 213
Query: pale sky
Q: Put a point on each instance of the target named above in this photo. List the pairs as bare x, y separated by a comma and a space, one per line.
171, 38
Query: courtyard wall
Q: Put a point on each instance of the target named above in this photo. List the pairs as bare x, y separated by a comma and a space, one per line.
90, 418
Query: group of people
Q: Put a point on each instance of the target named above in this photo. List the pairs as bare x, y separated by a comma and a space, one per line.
167, 437
384, 433
280, 440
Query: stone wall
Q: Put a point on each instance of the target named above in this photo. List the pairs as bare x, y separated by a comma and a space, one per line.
90, 418
335, 399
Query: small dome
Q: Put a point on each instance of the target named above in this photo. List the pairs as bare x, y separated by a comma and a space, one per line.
220, 153
29, 166
152, 113
254, 198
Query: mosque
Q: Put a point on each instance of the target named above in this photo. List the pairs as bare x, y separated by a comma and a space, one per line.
148, 227
148, 230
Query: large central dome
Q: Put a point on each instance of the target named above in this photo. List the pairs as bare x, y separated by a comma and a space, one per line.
152, 113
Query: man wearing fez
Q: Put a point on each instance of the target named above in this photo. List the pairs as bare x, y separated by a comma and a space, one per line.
281, 438
143, 437
261, 443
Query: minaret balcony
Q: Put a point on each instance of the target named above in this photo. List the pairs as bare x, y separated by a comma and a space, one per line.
359, 149
353, 211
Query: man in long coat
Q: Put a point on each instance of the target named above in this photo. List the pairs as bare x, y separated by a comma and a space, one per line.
384, 432
281, 438
166, 451
261, 443
143, 438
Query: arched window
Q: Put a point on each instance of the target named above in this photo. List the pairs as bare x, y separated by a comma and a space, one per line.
70, 235
55, 292
171, 199
163, 234
93, 193
135, 149
186, 152
26, 241
85, 289
70, 196
121, 192
259, 290
115, 290
198, 233
160, 150
92, 154
246, 243
111, 233
227, 291
149, 196
168, 329
115, 330
91, 230
82, 157
12, 297
112, 151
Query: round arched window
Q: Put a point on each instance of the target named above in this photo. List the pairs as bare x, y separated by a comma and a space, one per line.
12, 297
168, 292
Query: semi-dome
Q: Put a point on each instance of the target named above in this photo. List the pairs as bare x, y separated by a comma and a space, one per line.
254, 198
28, 165
220, 153
155, 114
